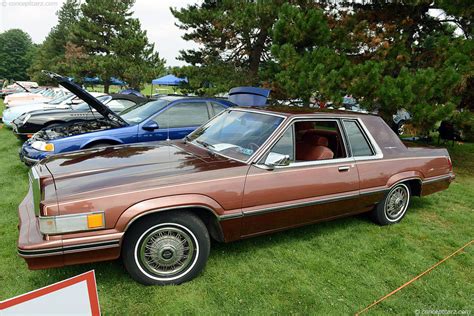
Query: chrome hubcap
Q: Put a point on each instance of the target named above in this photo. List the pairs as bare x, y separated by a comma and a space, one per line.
166, 251
396, 204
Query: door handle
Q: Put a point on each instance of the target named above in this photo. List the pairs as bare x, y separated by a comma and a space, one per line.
344, 168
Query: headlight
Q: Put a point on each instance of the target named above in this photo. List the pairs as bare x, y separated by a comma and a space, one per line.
26, 118
51, 225
43, 146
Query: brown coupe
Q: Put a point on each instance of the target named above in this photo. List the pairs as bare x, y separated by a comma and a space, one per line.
247, 172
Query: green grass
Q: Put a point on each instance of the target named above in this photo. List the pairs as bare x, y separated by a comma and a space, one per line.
337, 267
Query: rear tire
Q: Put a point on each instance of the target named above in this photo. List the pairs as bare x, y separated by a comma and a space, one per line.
393, 207
168, 248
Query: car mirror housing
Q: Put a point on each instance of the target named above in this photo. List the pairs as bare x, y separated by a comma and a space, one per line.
150, 126
269, 164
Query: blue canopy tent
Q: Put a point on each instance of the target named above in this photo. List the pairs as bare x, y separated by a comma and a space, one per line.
168, 80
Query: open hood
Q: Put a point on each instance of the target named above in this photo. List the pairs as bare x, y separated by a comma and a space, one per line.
249, 96
88, 98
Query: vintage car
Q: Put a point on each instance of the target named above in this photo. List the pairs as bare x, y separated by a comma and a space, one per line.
31, 122
245, 173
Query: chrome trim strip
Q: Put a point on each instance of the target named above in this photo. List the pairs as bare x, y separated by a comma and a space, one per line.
68, 249
437, 178
300, 204
378, 152
230, 216
36, 189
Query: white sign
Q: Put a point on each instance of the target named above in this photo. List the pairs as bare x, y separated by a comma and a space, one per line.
77, 295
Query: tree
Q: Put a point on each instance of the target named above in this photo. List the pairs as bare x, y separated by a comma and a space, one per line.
389, 56
51, 54
113, 44
16, 50
231, 33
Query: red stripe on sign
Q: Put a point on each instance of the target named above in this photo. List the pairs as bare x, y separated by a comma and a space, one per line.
89, 277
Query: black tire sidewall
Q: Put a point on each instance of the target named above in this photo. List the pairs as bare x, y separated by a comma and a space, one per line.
186, 220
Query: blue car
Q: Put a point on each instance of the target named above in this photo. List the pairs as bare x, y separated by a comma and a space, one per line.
169, 117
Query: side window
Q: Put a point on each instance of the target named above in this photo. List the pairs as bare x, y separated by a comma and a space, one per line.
357, 141
309, 141
284, 147
183, 114
217, 108
120, 105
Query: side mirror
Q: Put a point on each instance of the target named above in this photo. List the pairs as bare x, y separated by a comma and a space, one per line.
271, 162
150, 126
283, 161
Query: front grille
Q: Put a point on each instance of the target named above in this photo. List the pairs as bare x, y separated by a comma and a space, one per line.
36, 189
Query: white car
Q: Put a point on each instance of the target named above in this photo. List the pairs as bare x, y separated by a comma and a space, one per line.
62, 102
41, 96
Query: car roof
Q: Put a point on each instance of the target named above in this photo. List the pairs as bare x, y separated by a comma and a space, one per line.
297, 111
172, 98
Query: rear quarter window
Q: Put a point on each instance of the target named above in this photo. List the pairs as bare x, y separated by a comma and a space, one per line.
357, 140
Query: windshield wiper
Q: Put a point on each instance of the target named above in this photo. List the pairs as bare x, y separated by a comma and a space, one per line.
208, 146
203, 143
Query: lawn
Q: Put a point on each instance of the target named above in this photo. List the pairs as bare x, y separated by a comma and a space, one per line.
337, 267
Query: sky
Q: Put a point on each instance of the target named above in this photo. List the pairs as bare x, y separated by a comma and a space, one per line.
38, 17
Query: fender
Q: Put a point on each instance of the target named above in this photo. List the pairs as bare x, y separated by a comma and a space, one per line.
102, 138
404, 176
167, 203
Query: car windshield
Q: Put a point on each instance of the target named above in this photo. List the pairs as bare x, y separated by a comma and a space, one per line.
236, 134
47, 93
141, 112
59, 100
84, 106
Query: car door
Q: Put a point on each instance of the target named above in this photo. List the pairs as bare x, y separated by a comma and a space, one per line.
306, 176
176, 121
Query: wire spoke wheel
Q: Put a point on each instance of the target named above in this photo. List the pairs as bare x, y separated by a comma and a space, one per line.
396, 202
166, 251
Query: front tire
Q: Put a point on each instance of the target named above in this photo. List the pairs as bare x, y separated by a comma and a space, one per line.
168, 248
393, 207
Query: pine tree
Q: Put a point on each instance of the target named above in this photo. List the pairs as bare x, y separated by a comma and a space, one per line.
112, 44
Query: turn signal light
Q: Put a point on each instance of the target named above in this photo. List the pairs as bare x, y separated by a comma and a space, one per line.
95, 220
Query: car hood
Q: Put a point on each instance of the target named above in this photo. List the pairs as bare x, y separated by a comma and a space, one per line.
130, 167
88, 98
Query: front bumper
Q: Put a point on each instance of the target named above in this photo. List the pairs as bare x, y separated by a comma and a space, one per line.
25, 158
41, 252
30, 156
21, 136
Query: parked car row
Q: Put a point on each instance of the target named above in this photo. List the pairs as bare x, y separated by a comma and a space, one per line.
101, 189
